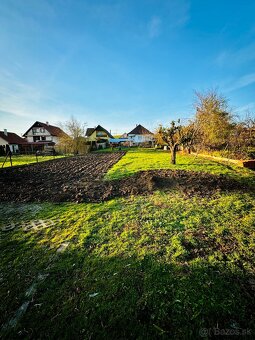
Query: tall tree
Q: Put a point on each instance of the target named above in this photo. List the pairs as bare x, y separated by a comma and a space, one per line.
213, 119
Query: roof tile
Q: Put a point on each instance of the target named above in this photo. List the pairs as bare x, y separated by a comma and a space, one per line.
140, 130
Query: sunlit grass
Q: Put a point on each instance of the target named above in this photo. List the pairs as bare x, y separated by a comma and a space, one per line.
25, 159
150, 159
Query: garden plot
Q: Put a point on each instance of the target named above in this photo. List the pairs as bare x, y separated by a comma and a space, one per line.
81, 179
64, 179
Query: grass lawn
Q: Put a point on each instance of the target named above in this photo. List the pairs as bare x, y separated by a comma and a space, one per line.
146, 267
25, 159
150, 159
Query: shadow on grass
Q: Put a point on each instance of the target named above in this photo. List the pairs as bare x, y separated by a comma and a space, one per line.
92, 296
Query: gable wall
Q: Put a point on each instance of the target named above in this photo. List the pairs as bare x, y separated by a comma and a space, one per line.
93, 137
46, 134
140, 138
3, 141
38, 133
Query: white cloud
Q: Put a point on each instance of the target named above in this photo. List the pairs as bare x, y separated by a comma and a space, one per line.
174, 15
243, 81
154, 27
179, 12
23, 102
236, 57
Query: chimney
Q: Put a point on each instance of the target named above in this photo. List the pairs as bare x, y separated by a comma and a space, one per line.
5, 132
47, 123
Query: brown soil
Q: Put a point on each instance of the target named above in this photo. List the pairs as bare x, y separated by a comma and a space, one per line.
55, 180
80, 179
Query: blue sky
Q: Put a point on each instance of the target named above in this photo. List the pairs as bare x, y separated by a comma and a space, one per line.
120, 63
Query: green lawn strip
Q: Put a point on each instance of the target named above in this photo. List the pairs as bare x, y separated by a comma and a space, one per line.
25, 159
144, 267
149, 159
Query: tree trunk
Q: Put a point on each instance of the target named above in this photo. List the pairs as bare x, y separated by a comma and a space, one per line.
173, 154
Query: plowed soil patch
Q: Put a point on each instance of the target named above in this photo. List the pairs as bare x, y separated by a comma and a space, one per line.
56, 180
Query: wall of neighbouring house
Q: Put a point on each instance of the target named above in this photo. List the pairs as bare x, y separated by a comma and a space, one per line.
140, 138
97, 135
92, 137
13, 147
55, 139
3, 142
40, 133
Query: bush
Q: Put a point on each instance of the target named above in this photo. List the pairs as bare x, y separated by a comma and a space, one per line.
251, 154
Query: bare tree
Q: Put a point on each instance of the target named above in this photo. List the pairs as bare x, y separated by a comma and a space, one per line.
249, 125
174, 136
242, 138
74, 139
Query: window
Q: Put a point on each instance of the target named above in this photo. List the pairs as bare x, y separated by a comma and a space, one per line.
101, 134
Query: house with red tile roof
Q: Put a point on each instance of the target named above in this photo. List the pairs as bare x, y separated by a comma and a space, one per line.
43, 134
10, 141
140, 135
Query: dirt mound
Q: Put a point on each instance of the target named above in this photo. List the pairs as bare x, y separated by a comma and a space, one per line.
145, 182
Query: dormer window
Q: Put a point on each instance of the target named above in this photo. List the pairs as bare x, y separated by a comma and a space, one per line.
101, 134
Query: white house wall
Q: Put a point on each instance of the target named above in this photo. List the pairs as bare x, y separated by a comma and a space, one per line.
30, 139
38, 132
13, 147
3, 142
140, 138
49, 138
55, 139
